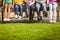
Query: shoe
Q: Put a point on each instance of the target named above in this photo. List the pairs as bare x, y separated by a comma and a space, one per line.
16, 16
50, 21
26, 15
8, 19
54, 21
39, 20
5, 19
20, 17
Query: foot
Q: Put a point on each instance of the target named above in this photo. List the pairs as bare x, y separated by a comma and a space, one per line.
16, 16
5, 19
26, 15
39, 20
54, 21
50, 21
20, 17
8, 19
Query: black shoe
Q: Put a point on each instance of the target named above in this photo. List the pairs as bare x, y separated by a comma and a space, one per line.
26, 15
39, 20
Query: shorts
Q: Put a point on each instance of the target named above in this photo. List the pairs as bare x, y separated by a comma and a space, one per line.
8, 3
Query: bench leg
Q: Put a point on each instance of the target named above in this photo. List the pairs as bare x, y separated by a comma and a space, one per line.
2, 17
58, 16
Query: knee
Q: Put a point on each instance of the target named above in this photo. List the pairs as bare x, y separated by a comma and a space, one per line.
16, 6
37, 5
21, 6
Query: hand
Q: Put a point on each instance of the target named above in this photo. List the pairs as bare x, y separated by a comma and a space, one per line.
12, 6
40, 2
31, 4
3, 5
47, 5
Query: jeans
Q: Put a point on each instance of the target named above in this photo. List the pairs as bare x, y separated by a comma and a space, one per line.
18, 8
43, 7
52, 11
30, 11
27, 9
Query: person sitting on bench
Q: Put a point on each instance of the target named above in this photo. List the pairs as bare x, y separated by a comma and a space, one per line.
40, 5
18, 8
29, 8
52, 10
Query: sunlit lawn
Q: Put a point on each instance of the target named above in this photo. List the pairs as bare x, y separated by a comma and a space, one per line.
30, 31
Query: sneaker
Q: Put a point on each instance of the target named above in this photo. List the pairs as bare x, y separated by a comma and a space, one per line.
50, 21
16, 16
8, 19
20, 17
5, 19
39, 20
54, 21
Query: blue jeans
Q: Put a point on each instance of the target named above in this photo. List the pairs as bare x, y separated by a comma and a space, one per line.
28, 8
52, 11
18, 8
30, 11
43, 7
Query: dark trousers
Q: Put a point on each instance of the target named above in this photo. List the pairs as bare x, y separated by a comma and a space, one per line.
31, 14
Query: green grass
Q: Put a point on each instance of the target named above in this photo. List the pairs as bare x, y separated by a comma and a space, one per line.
30, 31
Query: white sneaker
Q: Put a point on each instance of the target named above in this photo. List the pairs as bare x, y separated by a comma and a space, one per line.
54, 21
5, 19
50, 21
16, 16
8, 19
20, 17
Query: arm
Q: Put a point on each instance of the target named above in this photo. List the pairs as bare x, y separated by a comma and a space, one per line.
47, 1
13, 4
36, 0
3, 2
32, 3
25, 1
